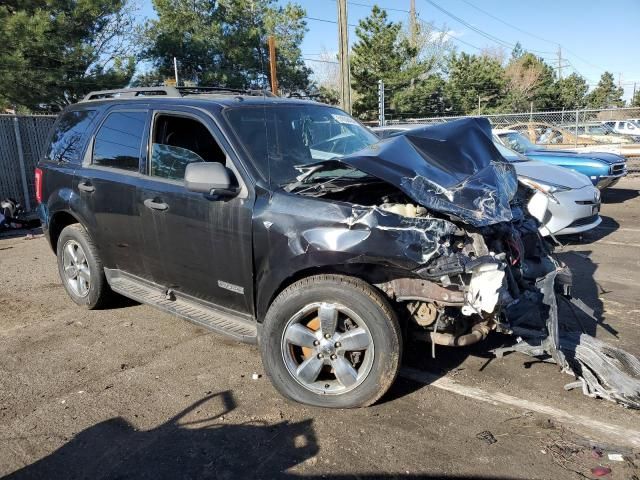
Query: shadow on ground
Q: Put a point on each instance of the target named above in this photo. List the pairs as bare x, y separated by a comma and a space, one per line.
618, 195
188, 448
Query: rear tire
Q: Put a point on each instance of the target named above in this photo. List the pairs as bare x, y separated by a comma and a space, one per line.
351, 365
81, 269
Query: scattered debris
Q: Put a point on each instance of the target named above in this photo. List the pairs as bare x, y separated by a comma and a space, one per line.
487, 437
600, 471
615, 457
256, 376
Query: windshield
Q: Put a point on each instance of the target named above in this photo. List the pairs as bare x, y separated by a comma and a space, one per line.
518, 142
509, 154
282, 139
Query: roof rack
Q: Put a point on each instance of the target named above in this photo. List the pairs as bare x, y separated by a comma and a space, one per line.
169, 92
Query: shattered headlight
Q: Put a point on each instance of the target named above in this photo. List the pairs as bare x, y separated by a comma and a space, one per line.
546, 188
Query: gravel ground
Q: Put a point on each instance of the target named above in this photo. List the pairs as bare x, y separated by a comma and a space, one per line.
131, 392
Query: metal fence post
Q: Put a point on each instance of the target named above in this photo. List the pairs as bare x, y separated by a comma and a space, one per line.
381, 117
23, 171
575, 136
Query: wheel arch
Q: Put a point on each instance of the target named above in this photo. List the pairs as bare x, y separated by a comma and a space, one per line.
57, 223
367, 272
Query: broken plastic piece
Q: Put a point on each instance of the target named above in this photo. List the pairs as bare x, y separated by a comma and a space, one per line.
600, 471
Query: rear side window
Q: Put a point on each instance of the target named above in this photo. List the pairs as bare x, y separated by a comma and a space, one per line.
119, 139
68, 132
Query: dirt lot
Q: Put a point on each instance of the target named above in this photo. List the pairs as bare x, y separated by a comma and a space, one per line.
133, 393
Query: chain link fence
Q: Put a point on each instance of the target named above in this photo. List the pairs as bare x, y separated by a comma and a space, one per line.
22, 144
578, 127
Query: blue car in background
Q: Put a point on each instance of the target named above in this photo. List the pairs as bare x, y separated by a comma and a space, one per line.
603, 169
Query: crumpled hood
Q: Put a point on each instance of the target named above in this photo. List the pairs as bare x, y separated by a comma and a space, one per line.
452, 168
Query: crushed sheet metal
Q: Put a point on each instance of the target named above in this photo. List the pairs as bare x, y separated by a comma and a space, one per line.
604, 370
453, 168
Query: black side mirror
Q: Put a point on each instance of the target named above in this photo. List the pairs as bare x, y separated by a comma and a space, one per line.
210, 178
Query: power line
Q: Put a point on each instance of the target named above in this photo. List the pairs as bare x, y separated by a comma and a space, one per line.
488, 36
532, 35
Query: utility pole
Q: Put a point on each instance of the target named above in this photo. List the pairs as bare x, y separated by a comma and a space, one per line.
175, 69
272, 65
560, 61
343, 54
381, 120
413, 24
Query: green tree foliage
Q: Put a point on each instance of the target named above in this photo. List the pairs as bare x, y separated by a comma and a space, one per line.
572, 91
473, 77
225, 42
606, 94
380, 53
517, 51
54, 52
635, 101
426, 97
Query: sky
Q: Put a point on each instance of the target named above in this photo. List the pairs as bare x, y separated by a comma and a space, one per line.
594, 36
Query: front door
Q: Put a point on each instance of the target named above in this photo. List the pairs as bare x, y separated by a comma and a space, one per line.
197, 245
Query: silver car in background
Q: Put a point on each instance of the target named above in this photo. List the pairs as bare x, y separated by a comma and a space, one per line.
572, 202
565, 202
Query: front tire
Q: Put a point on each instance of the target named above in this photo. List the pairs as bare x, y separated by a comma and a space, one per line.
81, 269
331, 341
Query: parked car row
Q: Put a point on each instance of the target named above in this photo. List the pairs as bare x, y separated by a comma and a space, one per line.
553, 137
569, 181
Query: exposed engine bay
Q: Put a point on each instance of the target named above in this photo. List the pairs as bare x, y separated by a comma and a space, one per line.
487, 268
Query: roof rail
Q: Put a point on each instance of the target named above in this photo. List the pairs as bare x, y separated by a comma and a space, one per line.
131, 92
169, 92
222, 90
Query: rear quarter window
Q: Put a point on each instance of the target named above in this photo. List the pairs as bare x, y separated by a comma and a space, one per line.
66, 142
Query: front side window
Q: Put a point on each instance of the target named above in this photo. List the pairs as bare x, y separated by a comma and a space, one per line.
280, 139
179, 141
68, 131
119, 140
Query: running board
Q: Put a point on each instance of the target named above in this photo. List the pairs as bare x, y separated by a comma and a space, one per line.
190, 309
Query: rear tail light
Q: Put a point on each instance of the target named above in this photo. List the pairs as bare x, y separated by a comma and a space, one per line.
39, 185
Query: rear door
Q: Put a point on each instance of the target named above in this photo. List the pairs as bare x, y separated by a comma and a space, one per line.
197, 245
105, 187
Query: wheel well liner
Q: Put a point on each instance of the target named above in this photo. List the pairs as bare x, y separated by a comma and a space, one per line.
58, 222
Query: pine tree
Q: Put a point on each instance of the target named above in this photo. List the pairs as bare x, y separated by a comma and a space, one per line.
54, 52
606, 94
379, 54
224, 43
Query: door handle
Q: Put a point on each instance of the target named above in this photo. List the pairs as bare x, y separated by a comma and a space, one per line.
151, 203
86, 186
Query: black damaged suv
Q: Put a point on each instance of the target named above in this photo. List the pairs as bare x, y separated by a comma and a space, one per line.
285, 222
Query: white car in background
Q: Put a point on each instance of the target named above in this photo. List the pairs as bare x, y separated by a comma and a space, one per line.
565, 202
623, 127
